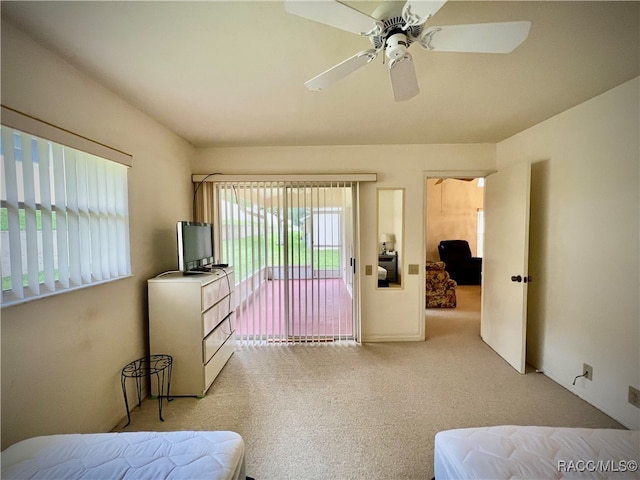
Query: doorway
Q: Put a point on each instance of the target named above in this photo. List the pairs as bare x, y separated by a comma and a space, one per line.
505, 276
454, 210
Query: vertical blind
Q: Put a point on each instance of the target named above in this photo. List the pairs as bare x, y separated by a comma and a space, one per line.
291, 246
64, 217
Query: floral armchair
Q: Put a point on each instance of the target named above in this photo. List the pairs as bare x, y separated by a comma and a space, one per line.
441, 290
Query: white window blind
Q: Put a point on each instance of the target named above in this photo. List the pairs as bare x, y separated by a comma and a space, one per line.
291, 244
64, 220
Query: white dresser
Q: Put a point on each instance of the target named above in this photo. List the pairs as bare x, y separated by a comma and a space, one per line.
191, 318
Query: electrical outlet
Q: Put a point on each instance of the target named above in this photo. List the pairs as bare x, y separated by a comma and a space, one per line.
634, 396
588, 369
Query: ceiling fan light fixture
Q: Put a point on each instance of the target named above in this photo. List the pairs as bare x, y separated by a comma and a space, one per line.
397, 45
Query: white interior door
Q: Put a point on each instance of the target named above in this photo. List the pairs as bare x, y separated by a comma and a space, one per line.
505, 264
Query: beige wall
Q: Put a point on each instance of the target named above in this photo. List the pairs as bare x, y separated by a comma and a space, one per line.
387, 314
584, 247
452, 213
61, 356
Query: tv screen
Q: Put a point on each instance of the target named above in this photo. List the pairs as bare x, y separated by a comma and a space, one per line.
195, 245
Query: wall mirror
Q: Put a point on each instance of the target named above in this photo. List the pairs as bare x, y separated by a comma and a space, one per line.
389, 238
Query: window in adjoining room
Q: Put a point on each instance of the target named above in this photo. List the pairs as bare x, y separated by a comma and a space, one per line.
480, 234
64, 220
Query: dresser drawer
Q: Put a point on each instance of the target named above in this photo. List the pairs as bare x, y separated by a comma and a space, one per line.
217, 337
211, 294
214, 291
213, 367
212, 317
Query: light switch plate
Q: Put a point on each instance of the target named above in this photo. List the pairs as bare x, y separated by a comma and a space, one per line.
368, 269
414, 269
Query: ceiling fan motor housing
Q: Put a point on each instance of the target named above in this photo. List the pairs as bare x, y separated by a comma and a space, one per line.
396, 47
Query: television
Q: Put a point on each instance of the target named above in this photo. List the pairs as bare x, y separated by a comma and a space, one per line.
195, 246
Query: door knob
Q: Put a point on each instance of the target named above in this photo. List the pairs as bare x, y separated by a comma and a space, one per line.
516, 278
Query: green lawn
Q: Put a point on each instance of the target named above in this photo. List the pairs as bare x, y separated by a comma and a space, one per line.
4, 226
248, 260
4, 219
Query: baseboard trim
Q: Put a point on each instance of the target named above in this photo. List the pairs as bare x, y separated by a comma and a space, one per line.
392, 338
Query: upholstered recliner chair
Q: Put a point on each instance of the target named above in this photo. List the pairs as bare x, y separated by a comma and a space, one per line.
441, 290
462, 267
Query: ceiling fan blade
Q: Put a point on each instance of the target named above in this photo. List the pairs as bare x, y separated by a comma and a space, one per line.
416, 12
502, 37
350, 65
334, 14
440, 180
403, 78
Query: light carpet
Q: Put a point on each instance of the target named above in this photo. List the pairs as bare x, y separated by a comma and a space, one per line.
371, 411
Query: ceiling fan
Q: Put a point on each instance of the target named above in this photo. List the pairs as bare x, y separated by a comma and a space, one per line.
393, 29
440, 180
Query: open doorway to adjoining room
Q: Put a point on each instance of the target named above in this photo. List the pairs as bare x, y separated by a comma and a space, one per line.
454, 212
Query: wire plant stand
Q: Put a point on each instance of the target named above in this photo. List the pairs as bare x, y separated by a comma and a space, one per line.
159, 365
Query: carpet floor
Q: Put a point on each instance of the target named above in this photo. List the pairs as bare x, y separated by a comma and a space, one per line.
370, 411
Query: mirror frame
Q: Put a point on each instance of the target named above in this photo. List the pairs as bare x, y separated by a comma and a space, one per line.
398, 228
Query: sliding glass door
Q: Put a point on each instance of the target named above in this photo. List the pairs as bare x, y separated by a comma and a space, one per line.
292, 248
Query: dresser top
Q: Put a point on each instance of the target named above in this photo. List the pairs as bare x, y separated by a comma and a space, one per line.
201, 278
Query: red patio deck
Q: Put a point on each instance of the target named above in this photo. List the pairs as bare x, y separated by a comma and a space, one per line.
318, 310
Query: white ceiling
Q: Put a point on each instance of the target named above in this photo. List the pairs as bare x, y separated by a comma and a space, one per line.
232, 73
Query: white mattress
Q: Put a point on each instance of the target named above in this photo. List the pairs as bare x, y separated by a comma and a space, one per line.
536, 453
133, 455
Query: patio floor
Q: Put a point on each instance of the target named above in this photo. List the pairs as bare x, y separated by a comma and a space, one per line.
318, 310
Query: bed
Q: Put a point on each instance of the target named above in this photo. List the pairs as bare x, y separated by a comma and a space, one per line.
382, 273
536, 452
382, 277
208, 455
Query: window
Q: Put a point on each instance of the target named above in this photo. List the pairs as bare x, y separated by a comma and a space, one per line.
480, 237
64, 221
